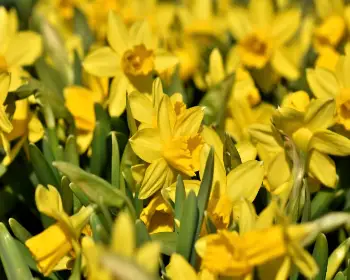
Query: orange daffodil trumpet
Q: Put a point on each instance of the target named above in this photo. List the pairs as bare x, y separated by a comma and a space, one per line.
262, 34
132, 58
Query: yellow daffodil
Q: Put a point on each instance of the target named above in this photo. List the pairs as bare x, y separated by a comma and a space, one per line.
80, 102
328, 59
52, 248
230, 254
123, 244
17, 48
327, 84
132, 58
334, 22
157, 215
262, 34
178, 269
26, 125
5, 123
173, 146
297, 100
309, 132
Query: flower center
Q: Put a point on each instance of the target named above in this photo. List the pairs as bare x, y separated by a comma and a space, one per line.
343, 107
138, 61
3, 64
255, 50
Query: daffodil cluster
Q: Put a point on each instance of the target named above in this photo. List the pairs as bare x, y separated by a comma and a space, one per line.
193, 139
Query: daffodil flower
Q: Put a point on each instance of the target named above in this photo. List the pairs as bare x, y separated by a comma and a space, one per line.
80, 102
158, 215
173, 146
123, 244
231, 254
334, 21
17, 48
329, 84
53, 248
309, 132
132, 57
5, 123
26, 125
262, 35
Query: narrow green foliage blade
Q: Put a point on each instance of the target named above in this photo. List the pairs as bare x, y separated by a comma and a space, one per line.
142, 235
19, 231
71, 151
115, 172
180, 196
320, 254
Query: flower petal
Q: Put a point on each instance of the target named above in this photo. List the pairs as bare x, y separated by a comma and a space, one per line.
148, 257
331, 143
23, 49
320, 114
146, 144
48, 201
285, 25
245, 180
166, 118
239, 23
164, 61
179, 268
141, 107
117, 34
155, 178
123, 235
281, 63
322, 83
322, 167
103, 62
117, 98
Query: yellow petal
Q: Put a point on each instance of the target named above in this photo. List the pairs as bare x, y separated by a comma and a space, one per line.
212, 138
322, 167
166, 118
5, 123
146, 144
261, 12
148, 257
279, 171
267, 216
247, 216
322, 83
320, 114
303, 260
103, 62
179, 268
123, 235
49, 247
239, 23
141, 107
117, 98
84, 141
36, 129
23, 49
138, 172
155, 178
282, 64
117, 33
216, 68
48, 201
190, 185
331, 143
245, 180
285, 25
189, 122
4, 86
164, 61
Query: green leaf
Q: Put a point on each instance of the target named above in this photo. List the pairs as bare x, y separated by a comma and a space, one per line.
11, 258
176, 85
321, 202
115, 165
307, 204
339, 276
8, 200
30, 87
99, 232
99, 145
336, 258
320, 254
94, 187
75, 275
71, 151
19, 231
203, 196
80, 195
77, 67
168, 241
210, 226
142, 235
180, 196
67, 195
215, 102
188, 227
42, 168
231, 156
81, 28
